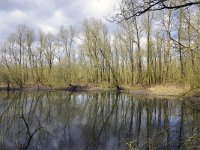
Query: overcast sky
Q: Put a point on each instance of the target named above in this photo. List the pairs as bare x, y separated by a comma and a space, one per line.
49, 15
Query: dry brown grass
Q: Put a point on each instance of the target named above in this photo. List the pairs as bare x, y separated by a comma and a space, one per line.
169, 89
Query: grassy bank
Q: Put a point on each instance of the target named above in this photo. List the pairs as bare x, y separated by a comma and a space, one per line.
174, 91
169, 89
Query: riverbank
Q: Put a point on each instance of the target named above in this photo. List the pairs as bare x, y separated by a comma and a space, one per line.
181, 92
168, 91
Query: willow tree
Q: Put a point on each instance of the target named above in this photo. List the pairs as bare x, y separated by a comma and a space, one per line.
129, 44
167, 24
148, 27
30, 37
128, 10
66, 40
20, 37
96, 45
14, 55
90, 47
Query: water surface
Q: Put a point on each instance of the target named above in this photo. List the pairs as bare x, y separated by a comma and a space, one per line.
63, 120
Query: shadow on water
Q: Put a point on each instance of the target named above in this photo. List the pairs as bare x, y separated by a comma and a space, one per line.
63, 120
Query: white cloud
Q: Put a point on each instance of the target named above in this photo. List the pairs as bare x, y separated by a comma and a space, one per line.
99, 8
49, 15
46, 28
58, 18
18, 14
53, 23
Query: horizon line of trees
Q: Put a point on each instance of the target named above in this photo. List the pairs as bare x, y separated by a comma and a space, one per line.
156, 48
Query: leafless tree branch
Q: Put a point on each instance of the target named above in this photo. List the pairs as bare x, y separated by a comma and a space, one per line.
132, 8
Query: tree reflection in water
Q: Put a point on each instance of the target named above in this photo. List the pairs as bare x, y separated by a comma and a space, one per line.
62, 120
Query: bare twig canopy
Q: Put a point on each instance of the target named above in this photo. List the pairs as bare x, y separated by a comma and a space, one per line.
132, 8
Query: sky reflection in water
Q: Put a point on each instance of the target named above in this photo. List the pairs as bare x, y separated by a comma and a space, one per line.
62, 120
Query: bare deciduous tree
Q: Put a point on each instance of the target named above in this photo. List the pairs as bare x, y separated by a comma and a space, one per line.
131, 8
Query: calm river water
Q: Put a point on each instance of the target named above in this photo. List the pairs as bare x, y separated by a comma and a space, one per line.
63, 120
